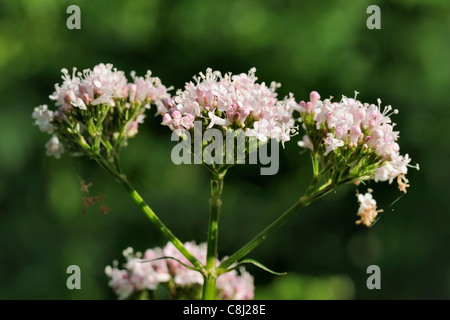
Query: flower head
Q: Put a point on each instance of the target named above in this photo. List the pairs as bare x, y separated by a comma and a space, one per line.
98, 110
145, 273
155, 268
183, 276
119, 282
236, 286
358, 138
101, 85
231, 101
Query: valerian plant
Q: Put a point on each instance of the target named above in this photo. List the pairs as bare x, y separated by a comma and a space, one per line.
99, 110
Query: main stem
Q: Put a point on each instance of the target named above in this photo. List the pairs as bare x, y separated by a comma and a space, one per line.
209, 287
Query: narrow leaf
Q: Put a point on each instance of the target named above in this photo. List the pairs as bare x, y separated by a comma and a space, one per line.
258, 264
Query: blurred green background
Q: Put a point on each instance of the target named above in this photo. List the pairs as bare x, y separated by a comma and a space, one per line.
305, 45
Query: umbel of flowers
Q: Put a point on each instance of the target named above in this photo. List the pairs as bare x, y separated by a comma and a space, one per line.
166, 267
351, 141
230, 102
97, 111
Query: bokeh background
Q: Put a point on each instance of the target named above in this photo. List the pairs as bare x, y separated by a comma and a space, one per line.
305, 45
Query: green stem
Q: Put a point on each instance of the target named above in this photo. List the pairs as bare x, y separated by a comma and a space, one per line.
315, 164
252, 244
117, 164
151, 215
209, 287
160, 225
144, 295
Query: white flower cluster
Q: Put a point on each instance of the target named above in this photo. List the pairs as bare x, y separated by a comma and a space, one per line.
235, 101
145, 273
103, 84
350, 124
79, 99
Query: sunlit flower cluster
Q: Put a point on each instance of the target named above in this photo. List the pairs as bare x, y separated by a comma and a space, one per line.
231, 101
97, 110
359, 137
144, 273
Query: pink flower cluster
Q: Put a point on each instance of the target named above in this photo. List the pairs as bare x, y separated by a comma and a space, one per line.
234, 101
103, 85
137, 275
350, 123
140, 273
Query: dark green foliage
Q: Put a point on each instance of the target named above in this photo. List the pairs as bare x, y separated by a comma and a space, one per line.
305, 45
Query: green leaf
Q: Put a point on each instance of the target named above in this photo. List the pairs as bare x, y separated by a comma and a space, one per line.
256, 263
